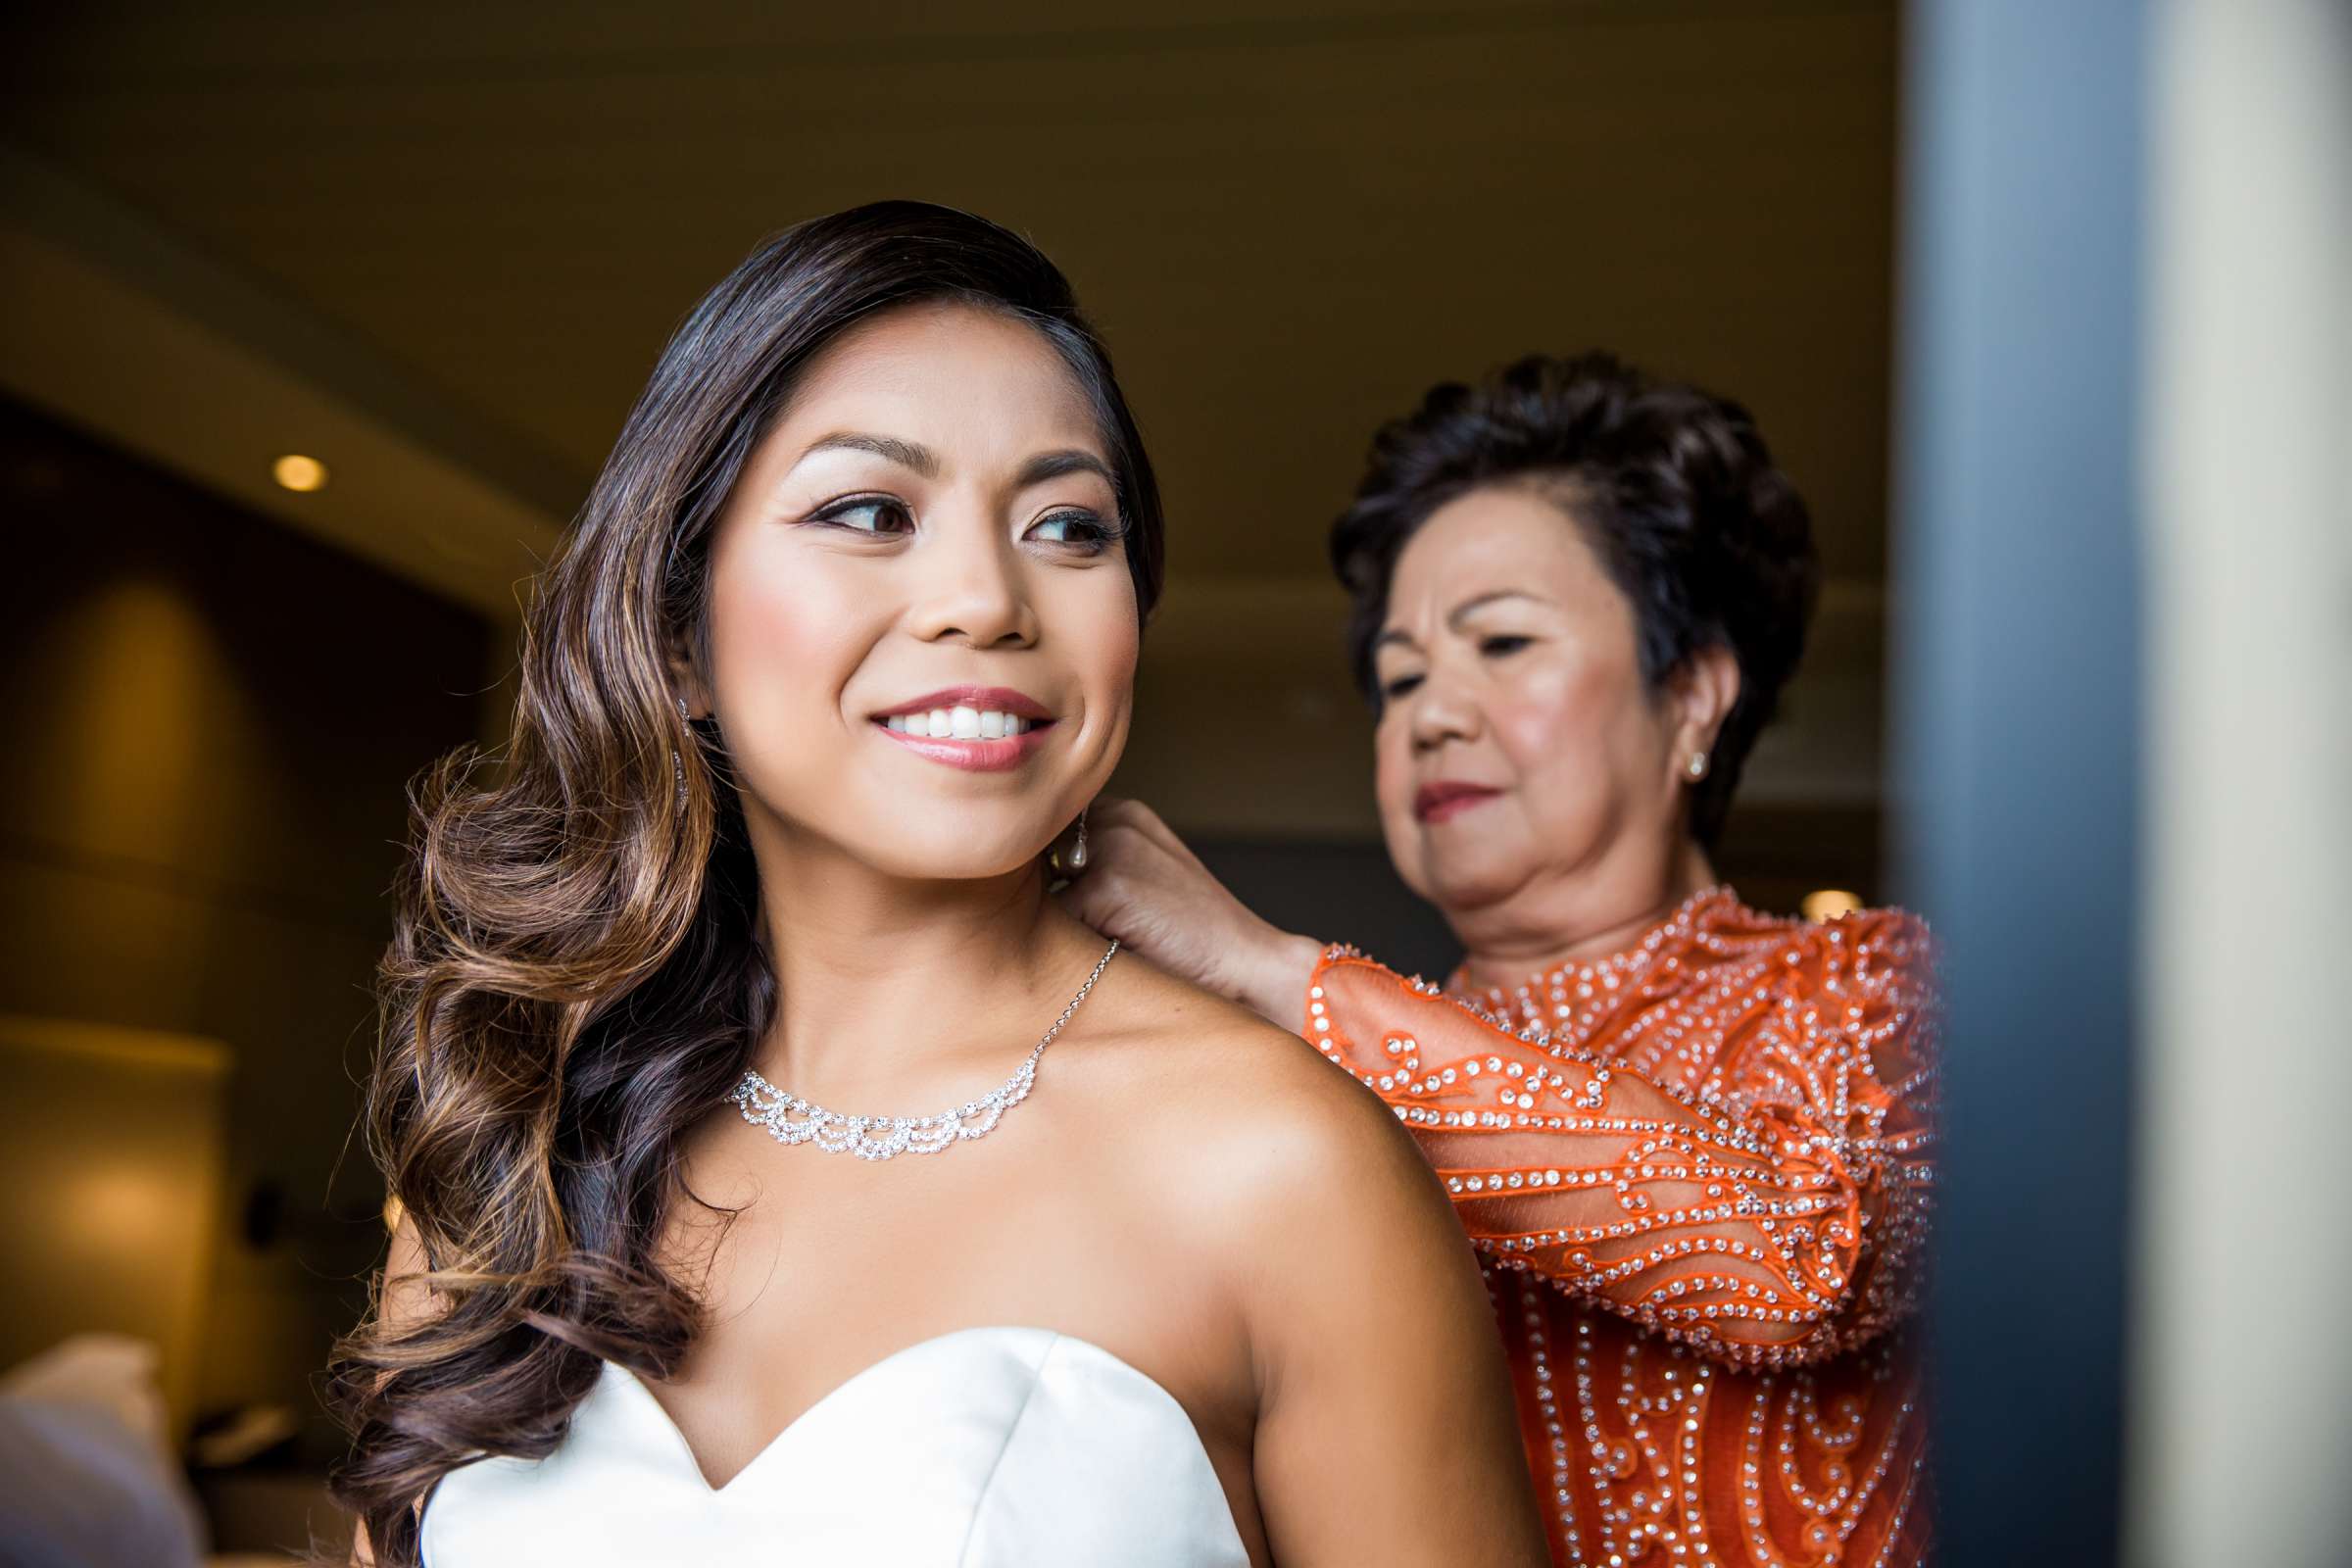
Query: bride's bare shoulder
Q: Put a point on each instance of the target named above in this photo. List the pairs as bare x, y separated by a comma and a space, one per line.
1211, 1090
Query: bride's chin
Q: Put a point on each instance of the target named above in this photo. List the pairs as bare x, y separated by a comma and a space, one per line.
962, 862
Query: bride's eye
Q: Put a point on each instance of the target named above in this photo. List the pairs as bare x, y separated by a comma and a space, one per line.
884, 516
1083, 531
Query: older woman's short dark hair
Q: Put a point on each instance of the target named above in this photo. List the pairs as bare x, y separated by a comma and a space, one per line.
1673, 488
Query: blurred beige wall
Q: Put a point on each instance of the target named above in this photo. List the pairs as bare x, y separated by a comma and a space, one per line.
2241, 1404
110, 1190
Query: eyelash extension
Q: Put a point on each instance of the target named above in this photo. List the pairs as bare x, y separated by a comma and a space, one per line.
1108, 531
833, 510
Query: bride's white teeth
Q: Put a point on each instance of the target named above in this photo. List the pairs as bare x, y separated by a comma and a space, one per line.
961, 723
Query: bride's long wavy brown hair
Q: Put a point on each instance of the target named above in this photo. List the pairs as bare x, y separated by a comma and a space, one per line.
575, 977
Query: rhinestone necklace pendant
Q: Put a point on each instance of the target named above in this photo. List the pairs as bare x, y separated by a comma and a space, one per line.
789, 1119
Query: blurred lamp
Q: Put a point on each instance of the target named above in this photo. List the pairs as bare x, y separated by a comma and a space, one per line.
298, 472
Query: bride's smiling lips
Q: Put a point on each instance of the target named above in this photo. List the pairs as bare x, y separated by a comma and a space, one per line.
983, 728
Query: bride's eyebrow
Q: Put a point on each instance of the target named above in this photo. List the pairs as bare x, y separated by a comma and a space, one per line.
905, 453
1054, 464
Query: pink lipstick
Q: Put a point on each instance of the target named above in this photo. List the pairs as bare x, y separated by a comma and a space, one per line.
980, 728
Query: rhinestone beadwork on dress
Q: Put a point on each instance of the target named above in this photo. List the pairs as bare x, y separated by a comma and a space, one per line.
1705, 1165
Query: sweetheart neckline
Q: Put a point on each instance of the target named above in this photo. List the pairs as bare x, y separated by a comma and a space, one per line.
677, 1436
1066, 1369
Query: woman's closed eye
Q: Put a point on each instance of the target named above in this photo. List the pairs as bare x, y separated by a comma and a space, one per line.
883, 516
1500, 645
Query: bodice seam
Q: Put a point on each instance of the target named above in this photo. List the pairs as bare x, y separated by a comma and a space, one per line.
988, 1482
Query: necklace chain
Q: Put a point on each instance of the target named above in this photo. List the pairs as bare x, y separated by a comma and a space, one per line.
789, 1119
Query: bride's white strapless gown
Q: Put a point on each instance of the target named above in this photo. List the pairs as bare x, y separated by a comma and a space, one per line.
983, 1449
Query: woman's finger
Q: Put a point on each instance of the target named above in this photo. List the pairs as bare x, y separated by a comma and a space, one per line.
1107, 905
1137, 818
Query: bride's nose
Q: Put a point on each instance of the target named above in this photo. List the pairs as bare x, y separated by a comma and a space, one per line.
970, 587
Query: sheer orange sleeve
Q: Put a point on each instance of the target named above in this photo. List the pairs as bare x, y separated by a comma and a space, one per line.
1765, 1208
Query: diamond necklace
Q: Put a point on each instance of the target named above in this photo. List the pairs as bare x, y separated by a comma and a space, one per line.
789, 1119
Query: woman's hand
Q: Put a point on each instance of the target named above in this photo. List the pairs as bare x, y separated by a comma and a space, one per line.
1142, 886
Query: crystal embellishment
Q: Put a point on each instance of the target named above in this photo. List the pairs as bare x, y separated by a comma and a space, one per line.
789, 1119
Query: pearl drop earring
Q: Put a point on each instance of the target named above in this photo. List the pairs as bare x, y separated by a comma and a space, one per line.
1696, 767
1069, 865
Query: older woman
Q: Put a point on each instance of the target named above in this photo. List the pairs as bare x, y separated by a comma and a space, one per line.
1691, 1140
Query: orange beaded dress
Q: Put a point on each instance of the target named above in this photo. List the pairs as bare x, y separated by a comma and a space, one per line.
1697, 1174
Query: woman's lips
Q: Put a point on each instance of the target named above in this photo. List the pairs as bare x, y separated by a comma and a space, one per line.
984, 729
979, 755
1434, 802
1001, 699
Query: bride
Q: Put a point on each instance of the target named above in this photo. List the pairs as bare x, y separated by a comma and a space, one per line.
785, 1177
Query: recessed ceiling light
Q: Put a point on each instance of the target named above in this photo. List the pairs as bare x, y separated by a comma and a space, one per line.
298, 472
1829, 903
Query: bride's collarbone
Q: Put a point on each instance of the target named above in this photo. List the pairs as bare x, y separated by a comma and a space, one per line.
844, 1263
999, 1248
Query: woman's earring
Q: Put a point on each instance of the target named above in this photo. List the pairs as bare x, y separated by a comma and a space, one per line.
1696, 767
1068, 865
677, 763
